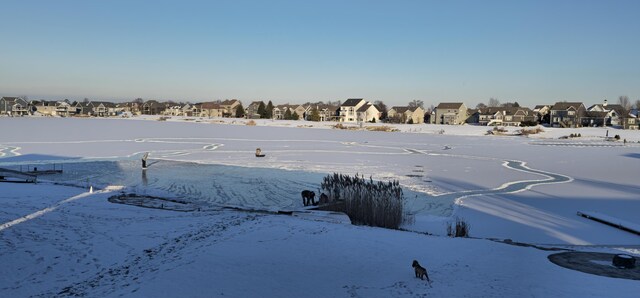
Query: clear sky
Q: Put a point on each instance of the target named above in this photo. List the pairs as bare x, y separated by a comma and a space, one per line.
532, 52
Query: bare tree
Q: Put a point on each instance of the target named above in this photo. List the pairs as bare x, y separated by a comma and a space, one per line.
416, 103
383, 109
493, 102
481, 106
624, 102
637, 104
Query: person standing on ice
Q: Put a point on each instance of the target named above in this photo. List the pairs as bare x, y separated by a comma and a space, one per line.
144, 160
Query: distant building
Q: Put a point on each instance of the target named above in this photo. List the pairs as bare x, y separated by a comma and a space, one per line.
349, 109
451, 113
567, 114
406, 114
14, 106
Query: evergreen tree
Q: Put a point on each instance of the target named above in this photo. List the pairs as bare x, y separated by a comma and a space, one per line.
295, 116
239, 111
270, 110
315, 115
262, 110
287, 114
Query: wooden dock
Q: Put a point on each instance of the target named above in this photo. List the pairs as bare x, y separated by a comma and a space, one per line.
611, 221
7, 175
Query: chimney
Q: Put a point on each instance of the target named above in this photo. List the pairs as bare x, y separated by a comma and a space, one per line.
605, 103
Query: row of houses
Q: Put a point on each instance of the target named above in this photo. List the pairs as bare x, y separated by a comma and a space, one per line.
353, 110
560, 114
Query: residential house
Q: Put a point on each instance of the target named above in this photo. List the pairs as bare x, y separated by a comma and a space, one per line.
190, 110
280, 111
13, 106
210, 109
43, 107
83, 108
368, 112
349, 109
452, 113
615, 113
251, 111
103, 108
133, 108
326, 112
229, 107
542, 113
413, 115
64, 108
506, 116
302, 111
567, 114
173, 110
153, 107
473, 116
631, 122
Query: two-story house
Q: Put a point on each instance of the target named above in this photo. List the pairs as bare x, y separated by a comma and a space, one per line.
368, 112
506, 116
452, 113
349, 109
413, 115
229, 107
567, 114
13, 106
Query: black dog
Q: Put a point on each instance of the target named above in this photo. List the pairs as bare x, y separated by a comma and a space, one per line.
308, 197
421, 272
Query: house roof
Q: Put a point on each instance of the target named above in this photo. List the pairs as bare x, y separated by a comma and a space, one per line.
210, 106
538, 107
365, 107
352, 102
228, 102
620, 110
400, 109
449, 105
596, 114
12, 98
566, 105
106, 104
506, 111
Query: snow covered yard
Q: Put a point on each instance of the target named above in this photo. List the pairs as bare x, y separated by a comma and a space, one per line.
94, 248
525, 189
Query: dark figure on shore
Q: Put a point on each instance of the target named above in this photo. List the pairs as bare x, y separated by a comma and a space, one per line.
144, 160
308, 197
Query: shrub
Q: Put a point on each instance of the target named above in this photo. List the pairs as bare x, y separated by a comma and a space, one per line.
461, 228
366, 202
339, 126
381, 128
251, 123
532, 131
617, 137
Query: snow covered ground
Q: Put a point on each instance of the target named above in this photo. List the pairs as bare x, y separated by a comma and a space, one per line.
523, 188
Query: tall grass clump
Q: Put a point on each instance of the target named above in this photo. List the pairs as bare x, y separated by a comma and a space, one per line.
366, 202
458, 229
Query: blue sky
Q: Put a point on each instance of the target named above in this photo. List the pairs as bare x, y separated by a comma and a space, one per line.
297, 51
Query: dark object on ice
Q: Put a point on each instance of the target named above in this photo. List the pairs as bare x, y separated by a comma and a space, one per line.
144, 160
259, 153
308, 197
624, 261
